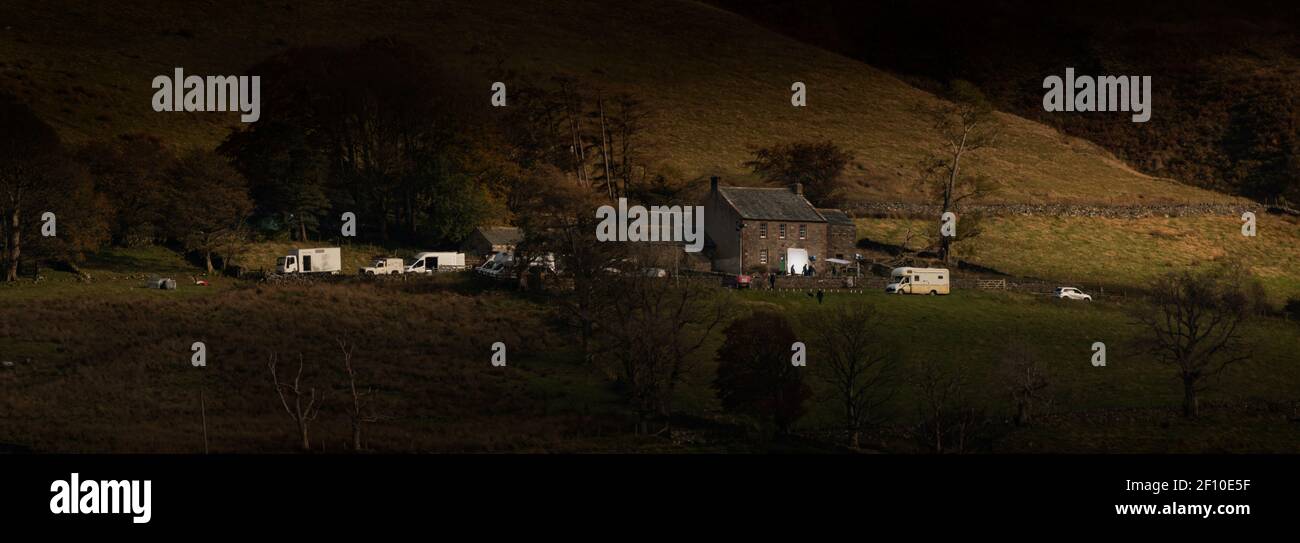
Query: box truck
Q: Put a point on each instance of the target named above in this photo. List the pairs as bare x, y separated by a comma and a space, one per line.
918, 281
326, 260
383, 265
432, 262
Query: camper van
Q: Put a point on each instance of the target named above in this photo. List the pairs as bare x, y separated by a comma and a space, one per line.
383, 266
918, 281
433, 262
327, 260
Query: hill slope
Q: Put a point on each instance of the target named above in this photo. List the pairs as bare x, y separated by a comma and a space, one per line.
716, 83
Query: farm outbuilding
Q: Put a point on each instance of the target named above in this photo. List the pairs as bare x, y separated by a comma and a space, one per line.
485, 240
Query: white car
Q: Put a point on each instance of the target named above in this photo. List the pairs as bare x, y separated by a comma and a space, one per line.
1071, 293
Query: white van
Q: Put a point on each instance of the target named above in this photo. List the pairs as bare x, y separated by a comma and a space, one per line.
432, 262
918, 281
326, 260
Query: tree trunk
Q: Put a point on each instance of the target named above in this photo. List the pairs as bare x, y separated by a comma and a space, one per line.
203, 412
302, 428
207, 259
15, 246
1190, 407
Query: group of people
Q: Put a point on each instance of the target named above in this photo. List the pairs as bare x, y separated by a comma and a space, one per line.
808, 270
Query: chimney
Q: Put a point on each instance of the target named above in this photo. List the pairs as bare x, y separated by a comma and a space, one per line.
797, 188
713, 184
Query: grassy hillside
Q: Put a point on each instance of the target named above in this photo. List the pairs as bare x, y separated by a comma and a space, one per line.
1122, 252
716, 82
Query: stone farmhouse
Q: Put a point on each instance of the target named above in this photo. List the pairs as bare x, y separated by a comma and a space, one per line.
753, 229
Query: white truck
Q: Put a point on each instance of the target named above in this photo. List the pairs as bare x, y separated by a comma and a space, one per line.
918, 281
383, 265
433, 262
325, 260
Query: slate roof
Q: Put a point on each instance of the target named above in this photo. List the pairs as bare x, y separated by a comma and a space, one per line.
770, 204
501, 235
835, 216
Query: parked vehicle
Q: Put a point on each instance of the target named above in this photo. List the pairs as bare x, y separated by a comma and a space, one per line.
493, 268
503, 264
930, 281
497, 265
546, 262
433, 262
1071, 293
325, 260
383, 266
738, 281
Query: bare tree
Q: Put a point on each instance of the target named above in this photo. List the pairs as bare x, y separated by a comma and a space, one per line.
203, 408
359, 412
1024, 378
651, 329
964, 124
558, 219
1194, 323
950, 420
302, 414
851, 356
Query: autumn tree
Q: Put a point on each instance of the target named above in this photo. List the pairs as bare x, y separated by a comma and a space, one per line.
29, 156
288, 176
79, 213
965, 123
1194, 325
818, 165
377, 129
134, 172
560, 219
209, 202
755, 376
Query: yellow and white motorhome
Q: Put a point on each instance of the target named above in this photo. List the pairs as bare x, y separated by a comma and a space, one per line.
918, 281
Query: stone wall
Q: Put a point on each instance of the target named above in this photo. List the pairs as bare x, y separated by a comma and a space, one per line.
906, 210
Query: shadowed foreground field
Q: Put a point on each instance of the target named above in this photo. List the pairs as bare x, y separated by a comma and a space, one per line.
112, 374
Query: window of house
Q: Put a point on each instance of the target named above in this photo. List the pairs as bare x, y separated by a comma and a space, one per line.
762, 230
782, 231
803, 231
762, 256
